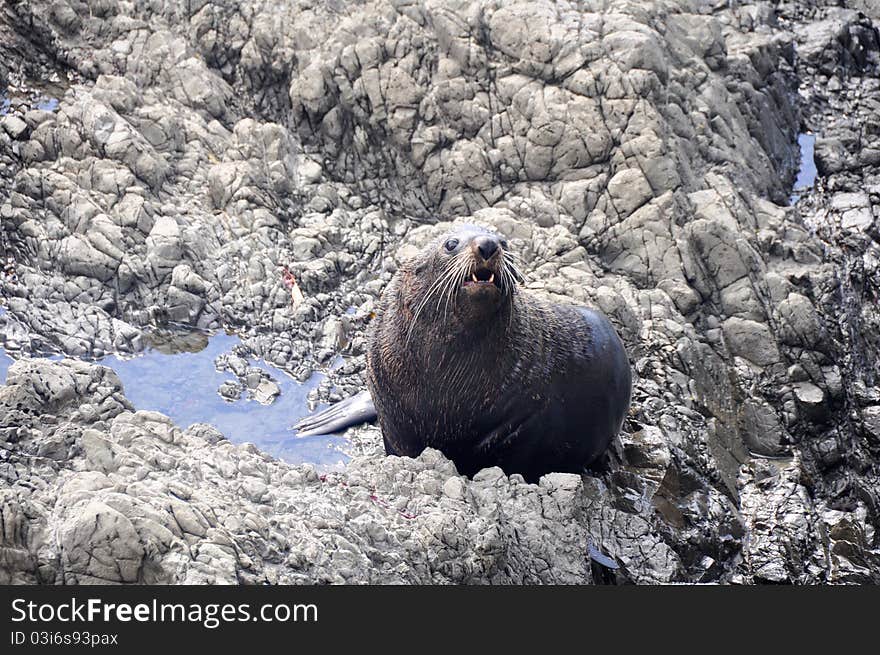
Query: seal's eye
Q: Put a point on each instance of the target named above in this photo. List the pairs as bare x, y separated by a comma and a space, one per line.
503, 244
451, 244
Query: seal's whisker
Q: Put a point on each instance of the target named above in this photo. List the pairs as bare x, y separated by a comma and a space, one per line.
517, 264
428, 294
443, 291
464, 265
449, 284
511, 269
438, 284
510, 275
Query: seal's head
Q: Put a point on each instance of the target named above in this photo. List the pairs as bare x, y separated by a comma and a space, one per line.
468, 275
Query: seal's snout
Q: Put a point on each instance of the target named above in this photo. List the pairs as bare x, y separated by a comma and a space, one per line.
485, 271
486, 246
486, 267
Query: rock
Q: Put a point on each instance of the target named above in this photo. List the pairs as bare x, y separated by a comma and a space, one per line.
183, 306
751, 340
762, 432
230, 391
810, 398
454, 488
781, 516
100, 545
266, 392
14, 126
79, 257
801, 324
854, 208
253, 377
267, 169
831, 156
163, 246
871, 417
629, 190
154, 528
648, 451
309, 171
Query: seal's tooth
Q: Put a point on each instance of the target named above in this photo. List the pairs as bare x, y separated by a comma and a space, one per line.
492, 278
474, 277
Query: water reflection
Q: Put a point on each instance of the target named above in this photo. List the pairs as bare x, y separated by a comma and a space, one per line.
807, 173
176, 376
5, 363
48, 104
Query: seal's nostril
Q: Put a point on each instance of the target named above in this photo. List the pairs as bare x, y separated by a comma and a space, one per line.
487, 246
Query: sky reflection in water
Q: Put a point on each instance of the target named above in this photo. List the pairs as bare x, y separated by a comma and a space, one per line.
177, 377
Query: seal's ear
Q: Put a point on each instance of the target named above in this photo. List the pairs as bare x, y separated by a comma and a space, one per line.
421, 268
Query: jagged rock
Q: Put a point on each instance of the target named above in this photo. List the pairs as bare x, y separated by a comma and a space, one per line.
196, 511
265, 169
266, 392
230, 390
751, 340
15, 127
810, 397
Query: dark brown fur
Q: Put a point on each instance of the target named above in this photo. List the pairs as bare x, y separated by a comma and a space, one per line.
489, 374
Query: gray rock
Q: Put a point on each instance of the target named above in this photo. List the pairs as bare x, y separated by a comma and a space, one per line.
14, 126
79, 257
801, 324
99, 545
230, 391
751, 340
266, 169
266, 392
810, 398
130, 516
871, 417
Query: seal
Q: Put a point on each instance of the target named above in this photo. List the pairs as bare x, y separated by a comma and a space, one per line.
462, 359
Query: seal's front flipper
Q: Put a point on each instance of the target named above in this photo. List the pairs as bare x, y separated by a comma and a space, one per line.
351, 411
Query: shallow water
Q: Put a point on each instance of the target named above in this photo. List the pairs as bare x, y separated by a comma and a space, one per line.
5, 363
48, 104
176, 376
807, 173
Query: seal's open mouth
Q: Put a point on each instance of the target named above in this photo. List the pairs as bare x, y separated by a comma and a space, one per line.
482, 277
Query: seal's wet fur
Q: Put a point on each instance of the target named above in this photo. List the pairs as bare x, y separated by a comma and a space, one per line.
463, 360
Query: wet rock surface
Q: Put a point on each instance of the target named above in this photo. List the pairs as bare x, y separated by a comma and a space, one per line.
264, 168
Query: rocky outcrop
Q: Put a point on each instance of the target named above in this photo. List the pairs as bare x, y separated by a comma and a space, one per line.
133, 498
265, 169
